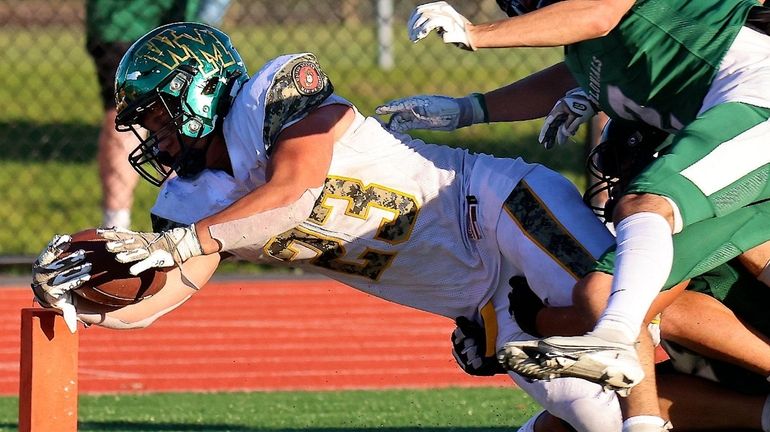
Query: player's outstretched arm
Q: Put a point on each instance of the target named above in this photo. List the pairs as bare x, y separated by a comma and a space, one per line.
526, 99
531, 97
296, 173
562, 23
180, 285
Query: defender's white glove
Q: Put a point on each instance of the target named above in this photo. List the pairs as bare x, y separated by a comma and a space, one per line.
449, 24
163, 249
566, 116
54, 278
434, 112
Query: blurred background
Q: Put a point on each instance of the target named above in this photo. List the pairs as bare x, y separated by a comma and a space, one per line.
52, 112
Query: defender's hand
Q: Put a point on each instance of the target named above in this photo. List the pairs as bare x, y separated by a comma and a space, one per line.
566, 116
442, 17
53, 278
434, 112
468, 349
163, 249
524, 305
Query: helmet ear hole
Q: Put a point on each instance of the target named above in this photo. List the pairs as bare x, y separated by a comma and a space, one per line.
210, 87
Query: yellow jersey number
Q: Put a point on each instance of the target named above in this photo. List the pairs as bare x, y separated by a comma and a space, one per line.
329, 251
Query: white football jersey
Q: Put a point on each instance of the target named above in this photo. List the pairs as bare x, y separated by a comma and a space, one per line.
410, 222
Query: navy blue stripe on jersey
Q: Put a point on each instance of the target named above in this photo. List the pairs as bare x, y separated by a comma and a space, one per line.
541, 226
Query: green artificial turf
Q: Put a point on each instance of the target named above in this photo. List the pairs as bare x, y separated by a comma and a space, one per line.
438, 410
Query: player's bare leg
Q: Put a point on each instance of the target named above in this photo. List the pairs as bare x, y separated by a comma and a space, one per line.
714, 407
117, 177
718, 333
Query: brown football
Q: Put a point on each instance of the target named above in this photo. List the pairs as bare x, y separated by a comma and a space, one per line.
111, 286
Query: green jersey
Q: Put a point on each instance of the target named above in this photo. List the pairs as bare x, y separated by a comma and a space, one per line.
126, 21
657, 65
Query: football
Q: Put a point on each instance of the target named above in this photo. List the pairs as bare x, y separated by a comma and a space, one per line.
111, 286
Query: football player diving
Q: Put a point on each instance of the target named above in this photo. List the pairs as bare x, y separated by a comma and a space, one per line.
278, 169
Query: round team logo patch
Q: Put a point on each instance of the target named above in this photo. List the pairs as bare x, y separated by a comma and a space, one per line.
307, 78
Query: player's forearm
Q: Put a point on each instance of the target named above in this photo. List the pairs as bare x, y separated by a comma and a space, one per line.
529, 98
181, 283
559, 24
256, 229
263, 199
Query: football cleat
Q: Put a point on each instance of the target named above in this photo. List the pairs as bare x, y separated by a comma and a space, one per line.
614, 366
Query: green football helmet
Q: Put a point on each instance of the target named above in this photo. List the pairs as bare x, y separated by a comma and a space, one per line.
192, 72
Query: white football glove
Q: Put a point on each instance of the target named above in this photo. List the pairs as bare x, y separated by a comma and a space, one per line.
442, 17
434, 112
567, 115
164, 249
54, 278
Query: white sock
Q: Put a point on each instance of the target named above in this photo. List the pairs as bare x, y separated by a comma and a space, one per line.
766, 414
120, 218
642, 265
643, 424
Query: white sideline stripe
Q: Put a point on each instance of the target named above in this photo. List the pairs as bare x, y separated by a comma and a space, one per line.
731, 160
110, 374
101, 375
270, 347
375, 361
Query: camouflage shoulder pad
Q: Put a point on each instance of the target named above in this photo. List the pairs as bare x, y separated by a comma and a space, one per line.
162, 224
297, 88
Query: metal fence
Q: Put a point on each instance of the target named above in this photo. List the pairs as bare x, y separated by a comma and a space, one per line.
51, 111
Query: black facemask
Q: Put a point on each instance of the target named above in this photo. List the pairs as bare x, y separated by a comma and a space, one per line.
192, 162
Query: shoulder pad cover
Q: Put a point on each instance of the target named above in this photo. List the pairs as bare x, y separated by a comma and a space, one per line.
297, 88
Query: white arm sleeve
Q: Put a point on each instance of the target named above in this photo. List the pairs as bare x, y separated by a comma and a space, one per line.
111, 322
257, 229
178, 289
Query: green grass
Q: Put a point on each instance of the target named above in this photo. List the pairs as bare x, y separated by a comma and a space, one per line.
49, 122
444, 410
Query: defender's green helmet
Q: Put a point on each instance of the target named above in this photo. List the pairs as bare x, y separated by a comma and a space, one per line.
192, 70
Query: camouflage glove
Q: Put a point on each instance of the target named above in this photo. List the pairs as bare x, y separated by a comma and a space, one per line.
53, 278
149, 249
435, 112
